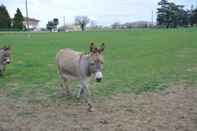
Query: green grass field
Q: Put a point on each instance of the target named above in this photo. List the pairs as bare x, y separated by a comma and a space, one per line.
135, 61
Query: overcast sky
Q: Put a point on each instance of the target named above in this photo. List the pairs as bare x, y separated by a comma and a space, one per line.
104, 12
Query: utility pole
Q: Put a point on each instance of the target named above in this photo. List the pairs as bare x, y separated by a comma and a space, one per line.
152, 18
27, 17
64, 25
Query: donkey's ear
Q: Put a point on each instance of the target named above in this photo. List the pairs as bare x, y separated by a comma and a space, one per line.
102, 47
92, 47
6, 48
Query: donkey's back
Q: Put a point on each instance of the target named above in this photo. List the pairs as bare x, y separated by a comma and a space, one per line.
67, 61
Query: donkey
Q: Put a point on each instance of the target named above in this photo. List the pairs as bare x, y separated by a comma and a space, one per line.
5, 58
74, 65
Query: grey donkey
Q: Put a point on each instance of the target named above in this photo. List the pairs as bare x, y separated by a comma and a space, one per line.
74, 65
5, 58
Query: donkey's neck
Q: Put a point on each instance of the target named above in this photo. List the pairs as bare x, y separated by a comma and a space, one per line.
88, 72
84, 66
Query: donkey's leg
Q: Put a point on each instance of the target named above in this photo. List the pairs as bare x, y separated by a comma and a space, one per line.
66, 87
84, 84
81, 91
2, 69
1, 72
84, 88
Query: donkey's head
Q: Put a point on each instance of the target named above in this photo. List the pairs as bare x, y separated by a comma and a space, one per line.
5, 55
96, 61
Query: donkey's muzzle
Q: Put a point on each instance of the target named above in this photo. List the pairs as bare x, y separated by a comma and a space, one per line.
6, 62
98, 76
99, 79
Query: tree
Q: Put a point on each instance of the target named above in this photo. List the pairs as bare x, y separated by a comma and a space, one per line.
171, 15
18, 20
183, 17
194, 17
128, 25
56, 22
5, 21
82, 21
116, 25
50, 26
93, 24
163, 13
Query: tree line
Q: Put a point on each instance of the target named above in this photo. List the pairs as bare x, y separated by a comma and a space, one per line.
171, 15
6, 23
82, 21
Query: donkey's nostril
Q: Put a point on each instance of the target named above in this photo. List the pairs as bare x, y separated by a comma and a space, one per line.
7, 62
98, 79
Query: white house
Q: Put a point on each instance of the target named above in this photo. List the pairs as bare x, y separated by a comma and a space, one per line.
70, 28
33, 23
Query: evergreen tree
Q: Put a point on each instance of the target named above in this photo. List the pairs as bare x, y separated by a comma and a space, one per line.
194, 17
163, 13
5, 21
171, 15
18, 20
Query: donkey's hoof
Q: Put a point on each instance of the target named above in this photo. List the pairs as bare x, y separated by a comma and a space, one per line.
91, 109
64, 94
68, 94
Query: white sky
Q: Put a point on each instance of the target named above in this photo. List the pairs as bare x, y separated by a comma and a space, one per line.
104, 12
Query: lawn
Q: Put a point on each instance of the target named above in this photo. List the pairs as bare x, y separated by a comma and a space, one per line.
135, 60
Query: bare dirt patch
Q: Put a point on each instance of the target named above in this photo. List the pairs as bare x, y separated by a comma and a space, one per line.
174, 109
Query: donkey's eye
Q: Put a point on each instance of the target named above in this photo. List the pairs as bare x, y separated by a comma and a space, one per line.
5, 59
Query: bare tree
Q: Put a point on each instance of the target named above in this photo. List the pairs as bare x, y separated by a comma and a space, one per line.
93, 24
82, 21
